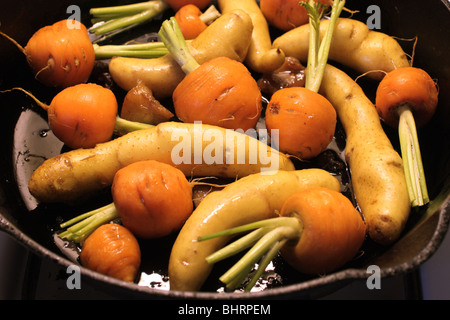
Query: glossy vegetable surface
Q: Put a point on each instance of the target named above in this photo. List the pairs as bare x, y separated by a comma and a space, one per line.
376, 167
60, 55
249, 199
162, 75
354, 45
152, 198
112, 250
79, 173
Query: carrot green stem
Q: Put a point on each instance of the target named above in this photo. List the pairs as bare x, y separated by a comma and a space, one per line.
237, 246
319, 50
124, 126
266, 239
273, 222
264, 245
270, 255
314, 12
122, 10
174, 41
121, 127
138, 50
118, 18
210, 15
141, 50
412, 158
80, 227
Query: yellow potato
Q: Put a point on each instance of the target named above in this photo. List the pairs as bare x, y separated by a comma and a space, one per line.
376, 168
261, 56
227, 36
252, 198
196, 149
354, 45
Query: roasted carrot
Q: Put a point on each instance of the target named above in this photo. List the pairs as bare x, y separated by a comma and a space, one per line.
247, 200
287, 14
163, 74
407, 85
335, 231
219, 92
188, 18
60, 55
192, 21
85, 115
406, 94
177, 4
112, 250
317, 232
152, 199
81, 116
304, 120
284, 14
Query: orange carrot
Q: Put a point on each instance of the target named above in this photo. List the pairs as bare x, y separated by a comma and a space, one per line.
284, 14
318, 231
112, 250
81, 116
219, 92
334, 231
407, 85
177, 4
60, 55
188, 18
192, 21
304, 121
407, 99
152, 199
85, 115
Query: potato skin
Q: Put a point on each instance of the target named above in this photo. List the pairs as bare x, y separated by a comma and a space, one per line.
79, 173
376, 168
252, 198
354, 45
228, 36
261, 56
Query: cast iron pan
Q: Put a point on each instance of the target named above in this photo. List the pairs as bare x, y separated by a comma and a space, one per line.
26, 141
